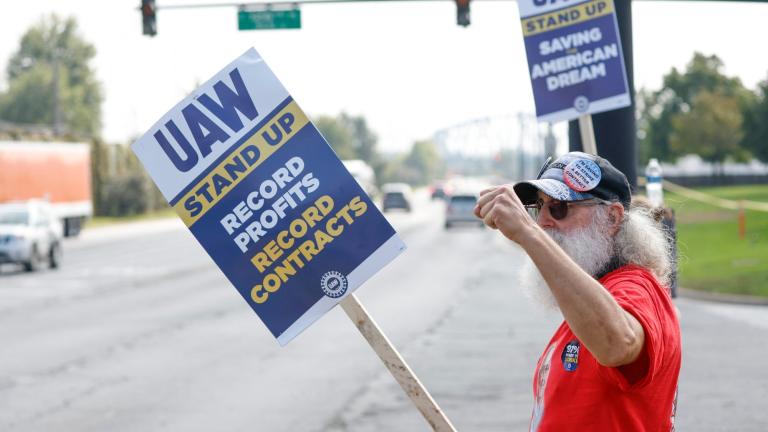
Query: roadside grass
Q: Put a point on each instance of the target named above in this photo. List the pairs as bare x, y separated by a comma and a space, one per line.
99, 221
712, 257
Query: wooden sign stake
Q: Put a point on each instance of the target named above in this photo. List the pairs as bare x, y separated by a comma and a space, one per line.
587, 134
396, 365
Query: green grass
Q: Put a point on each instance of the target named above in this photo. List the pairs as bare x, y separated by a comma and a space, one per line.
712, 256
99, 221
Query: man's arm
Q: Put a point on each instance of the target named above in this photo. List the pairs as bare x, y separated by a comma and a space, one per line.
611, 334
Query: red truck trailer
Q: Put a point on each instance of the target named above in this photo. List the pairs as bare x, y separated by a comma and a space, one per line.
54, 171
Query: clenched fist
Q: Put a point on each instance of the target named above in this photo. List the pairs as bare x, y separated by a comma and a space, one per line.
500, 208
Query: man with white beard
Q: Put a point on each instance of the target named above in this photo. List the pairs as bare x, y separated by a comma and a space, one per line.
613, 364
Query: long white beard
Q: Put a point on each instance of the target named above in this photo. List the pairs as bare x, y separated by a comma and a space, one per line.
590, 248
535, 287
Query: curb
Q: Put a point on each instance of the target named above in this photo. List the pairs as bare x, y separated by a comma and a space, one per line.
723, 298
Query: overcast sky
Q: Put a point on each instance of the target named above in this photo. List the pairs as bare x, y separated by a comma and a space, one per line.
406, 66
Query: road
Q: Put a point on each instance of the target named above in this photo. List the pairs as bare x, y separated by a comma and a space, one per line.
138, 331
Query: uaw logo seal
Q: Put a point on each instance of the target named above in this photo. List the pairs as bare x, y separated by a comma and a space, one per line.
581, 103
334, 284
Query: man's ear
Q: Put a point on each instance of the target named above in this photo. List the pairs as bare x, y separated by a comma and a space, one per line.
616, 217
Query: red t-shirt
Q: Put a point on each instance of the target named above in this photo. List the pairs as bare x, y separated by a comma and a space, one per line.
572, 391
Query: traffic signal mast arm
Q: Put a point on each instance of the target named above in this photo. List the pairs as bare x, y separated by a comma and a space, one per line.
149, 9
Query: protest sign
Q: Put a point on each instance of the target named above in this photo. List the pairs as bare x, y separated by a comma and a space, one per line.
574, 57
266, 196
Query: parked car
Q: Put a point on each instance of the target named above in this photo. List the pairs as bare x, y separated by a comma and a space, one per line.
30, 234
459, 208
396, 196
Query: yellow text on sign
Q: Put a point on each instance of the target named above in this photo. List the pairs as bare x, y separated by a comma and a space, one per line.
240, 163
326, 230
566, 17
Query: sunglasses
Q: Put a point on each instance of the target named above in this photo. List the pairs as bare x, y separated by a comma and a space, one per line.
559, 209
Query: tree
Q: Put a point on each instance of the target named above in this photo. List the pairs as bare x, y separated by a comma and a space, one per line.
756, 123
364, 139
338, 135
425, 161
677, 94
712, 128
51, 82
395, 170
420, 166
121, 186
350, 137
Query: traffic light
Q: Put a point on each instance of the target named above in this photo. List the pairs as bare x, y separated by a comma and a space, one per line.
462, 12
149, 17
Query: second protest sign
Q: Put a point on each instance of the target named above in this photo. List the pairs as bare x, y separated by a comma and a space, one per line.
575, 59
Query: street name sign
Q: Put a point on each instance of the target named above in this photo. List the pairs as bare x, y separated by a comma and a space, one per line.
266, 197
268, 19
574, 57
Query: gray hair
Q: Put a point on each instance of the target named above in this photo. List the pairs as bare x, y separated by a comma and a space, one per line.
641, 240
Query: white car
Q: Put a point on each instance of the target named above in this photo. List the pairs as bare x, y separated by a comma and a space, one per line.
30, 234
459, 208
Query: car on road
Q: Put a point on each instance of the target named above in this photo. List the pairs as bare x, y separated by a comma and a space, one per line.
396, 196
440, 190
30, 234
459, 208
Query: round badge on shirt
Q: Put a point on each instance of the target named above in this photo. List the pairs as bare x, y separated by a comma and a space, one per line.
582, 175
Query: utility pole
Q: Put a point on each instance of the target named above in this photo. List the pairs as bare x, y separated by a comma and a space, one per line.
56, 90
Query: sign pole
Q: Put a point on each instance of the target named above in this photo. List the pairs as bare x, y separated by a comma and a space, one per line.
396, 365
587, 134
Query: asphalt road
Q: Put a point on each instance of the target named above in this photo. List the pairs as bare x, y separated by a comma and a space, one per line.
138, 331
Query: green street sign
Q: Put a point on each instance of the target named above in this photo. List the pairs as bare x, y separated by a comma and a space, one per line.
269, 19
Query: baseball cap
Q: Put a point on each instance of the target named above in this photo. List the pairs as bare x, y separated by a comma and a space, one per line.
577, 176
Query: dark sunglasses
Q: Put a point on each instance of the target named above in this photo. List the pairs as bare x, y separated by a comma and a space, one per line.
559, 209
